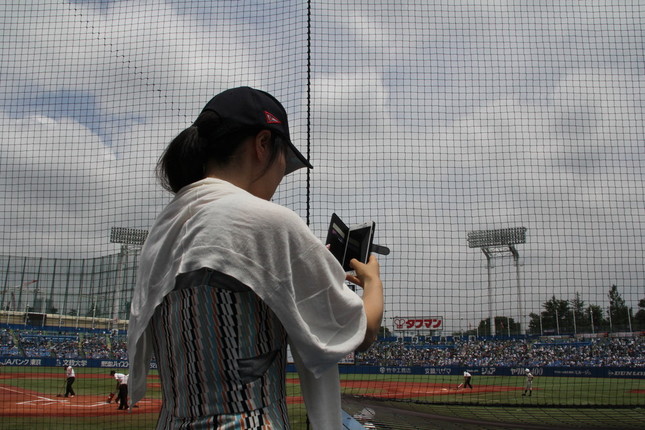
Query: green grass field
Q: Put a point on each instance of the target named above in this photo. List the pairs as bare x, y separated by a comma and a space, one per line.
490, 390
579, 399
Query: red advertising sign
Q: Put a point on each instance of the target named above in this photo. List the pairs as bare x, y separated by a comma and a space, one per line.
418, 324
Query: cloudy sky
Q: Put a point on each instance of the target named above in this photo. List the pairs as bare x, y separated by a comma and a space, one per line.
431, 118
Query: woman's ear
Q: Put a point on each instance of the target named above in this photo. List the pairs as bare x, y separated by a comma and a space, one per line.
263, 145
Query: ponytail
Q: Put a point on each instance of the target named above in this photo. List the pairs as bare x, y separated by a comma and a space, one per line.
210, 138
182, 162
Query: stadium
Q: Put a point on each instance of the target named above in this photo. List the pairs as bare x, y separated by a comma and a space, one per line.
496, 145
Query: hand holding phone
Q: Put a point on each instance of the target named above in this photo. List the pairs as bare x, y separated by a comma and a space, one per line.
364, 273
346, 243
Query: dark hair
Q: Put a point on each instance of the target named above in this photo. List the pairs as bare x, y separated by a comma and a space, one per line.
210, 138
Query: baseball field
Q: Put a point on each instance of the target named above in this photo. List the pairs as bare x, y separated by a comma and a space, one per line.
32, 398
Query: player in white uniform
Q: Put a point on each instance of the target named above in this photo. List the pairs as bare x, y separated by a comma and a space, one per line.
71, 377
466, 383
528, 385
122, 389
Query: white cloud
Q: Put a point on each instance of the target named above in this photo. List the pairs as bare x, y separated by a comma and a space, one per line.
434, 122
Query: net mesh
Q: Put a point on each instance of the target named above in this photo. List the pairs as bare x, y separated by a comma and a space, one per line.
441, 121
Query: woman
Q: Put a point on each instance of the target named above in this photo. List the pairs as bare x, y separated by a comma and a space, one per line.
226, 278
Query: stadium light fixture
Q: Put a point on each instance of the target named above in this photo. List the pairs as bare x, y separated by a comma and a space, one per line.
131, 239
501, 237
128, 236
499, 242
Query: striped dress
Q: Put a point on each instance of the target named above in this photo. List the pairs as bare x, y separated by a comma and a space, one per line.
221, 356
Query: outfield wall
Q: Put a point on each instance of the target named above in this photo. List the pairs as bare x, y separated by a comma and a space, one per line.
589, 372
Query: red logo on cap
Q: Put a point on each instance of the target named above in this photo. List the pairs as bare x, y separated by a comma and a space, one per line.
270, 118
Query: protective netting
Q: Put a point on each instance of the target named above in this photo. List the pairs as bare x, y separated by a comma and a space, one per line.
497, 145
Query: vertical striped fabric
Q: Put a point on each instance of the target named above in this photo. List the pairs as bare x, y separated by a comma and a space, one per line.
221, 355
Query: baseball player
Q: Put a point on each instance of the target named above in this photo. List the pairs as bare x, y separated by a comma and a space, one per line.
122, 389
71, 377
528, 385
466, 383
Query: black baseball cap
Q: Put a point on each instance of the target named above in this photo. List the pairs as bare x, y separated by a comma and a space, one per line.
248, 106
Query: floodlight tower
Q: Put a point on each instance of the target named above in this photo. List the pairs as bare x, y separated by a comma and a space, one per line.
499, 242
131, 240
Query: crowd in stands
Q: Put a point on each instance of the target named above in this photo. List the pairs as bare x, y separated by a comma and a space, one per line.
599, 352
33, 343
457, 351
119, 347
96, 347
7, 346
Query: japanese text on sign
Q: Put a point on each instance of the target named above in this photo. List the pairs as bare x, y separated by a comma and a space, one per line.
409, 323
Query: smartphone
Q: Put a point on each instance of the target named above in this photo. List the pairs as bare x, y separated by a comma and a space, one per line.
337, 237
359, 243
346, 243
